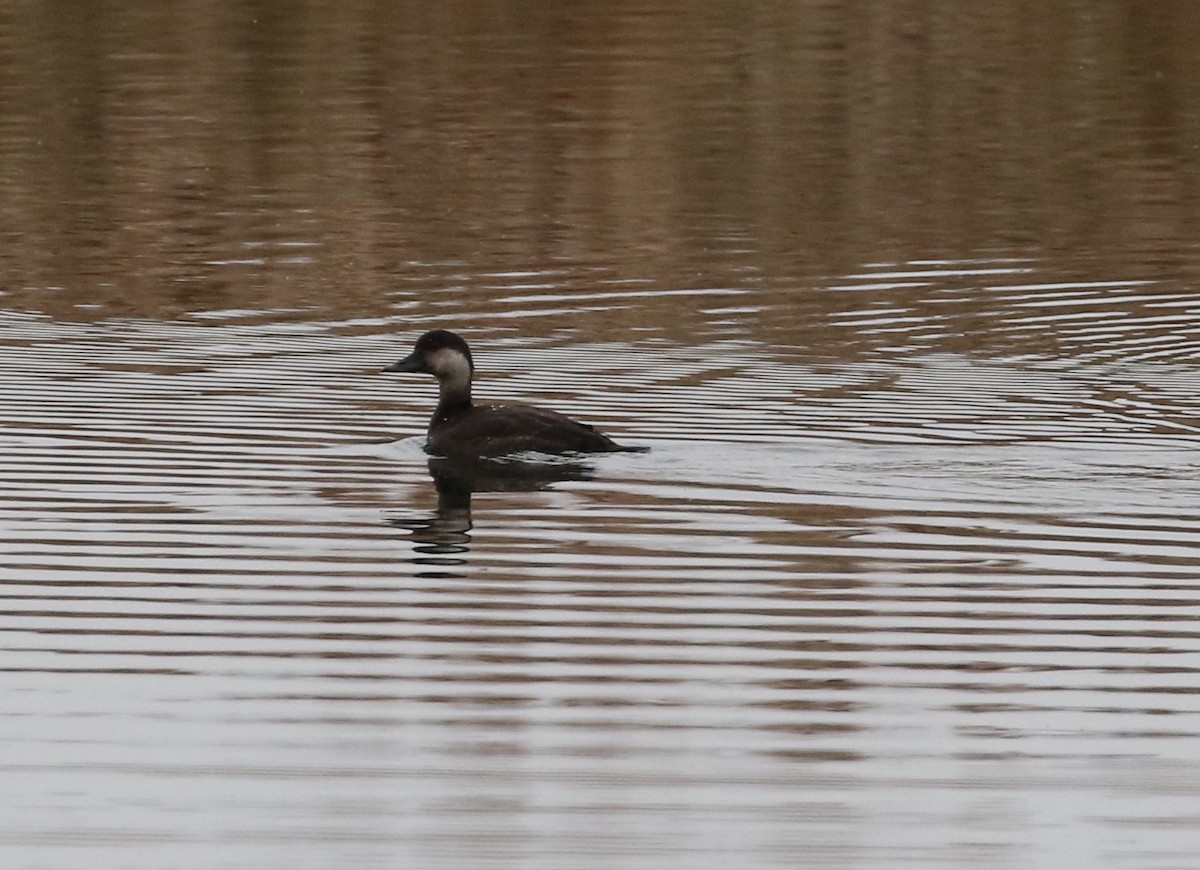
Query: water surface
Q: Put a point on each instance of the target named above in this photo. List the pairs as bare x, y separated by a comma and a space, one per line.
906, 579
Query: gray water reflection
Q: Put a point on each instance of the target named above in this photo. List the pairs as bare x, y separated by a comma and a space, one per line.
871, 606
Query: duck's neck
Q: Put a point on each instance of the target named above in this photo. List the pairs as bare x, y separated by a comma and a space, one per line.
454, 394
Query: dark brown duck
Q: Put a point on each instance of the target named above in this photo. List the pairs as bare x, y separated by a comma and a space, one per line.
460, 428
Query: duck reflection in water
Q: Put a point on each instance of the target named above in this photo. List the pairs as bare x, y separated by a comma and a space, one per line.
444, 539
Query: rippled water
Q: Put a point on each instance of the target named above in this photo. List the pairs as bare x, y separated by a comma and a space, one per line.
906, 578
849, 612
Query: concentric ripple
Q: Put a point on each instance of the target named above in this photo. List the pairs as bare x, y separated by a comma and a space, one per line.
946, 572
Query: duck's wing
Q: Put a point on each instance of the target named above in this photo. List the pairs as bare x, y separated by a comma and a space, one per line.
497, 430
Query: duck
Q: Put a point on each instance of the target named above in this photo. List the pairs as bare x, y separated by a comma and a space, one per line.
460, 428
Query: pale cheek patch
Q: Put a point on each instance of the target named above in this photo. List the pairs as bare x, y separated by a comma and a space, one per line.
451, 368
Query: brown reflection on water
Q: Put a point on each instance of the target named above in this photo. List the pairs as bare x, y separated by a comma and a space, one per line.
179, 157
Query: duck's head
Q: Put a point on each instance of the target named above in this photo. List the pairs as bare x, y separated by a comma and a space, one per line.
444, 355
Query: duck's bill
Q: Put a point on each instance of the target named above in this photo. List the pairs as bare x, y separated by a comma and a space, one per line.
411, 363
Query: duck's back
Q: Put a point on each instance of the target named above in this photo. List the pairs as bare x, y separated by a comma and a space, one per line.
498, 430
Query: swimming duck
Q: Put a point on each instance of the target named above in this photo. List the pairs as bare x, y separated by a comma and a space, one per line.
460, 428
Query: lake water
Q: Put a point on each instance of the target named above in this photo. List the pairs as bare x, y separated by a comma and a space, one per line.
903, 302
